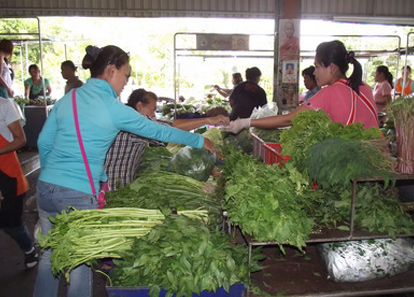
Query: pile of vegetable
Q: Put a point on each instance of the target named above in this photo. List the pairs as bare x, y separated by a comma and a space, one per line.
169, 111
377, 209
266, 201
402, 111
84, 236
166, 191
37, 102
183, 257
242, 141
193, 162
210, 103
336, 161
21, 100
311, 127
155, 158
216, 136
278, 204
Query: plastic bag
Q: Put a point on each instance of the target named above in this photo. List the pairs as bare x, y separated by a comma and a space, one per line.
264, 111
357, 261
193, 162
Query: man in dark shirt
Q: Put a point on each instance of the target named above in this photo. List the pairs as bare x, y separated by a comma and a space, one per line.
247, 95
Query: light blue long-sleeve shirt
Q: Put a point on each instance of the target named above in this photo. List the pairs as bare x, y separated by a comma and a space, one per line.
101, 116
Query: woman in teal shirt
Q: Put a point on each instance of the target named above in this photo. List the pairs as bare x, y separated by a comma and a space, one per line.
33, 86
63, 179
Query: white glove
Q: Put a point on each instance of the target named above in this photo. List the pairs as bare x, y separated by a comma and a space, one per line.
237, 125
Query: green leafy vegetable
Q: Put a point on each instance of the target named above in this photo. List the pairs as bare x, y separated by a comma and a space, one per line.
311, 127
182, 256
83, 236
266, 201
193, 162
336, 161
155, 159
166, 191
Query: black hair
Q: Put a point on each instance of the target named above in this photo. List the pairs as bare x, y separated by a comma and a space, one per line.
336, 53
34, 67
252, 73
6, 46
69, 64
309, 72
140, 95
238, 77
96, 59
388, 76
408, 67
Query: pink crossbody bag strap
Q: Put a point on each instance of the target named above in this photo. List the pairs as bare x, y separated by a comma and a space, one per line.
85, 159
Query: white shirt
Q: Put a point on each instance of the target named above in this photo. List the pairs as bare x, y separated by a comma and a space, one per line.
8, 115
6, 73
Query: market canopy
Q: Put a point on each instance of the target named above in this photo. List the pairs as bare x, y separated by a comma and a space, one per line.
364, 11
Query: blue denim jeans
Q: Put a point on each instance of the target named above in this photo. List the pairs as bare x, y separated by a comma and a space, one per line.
52, 200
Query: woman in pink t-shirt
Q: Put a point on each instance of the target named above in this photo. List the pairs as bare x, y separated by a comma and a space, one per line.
382, 90
345, 100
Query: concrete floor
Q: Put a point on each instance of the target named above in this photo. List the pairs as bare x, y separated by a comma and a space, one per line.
292, 275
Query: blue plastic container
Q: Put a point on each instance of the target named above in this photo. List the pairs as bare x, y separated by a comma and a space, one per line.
236, 290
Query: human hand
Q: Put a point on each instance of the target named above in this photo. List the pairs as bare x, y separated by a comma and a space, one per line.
219, 120
10, 92
237, 125
216, 87
209, 145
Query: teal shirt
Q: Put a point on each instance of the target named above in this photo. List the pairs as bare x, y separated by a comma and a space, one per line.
37, 88
101, 116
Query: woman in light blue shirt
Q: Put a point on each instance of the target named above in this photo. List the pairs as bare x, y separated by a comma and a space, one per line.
63, 180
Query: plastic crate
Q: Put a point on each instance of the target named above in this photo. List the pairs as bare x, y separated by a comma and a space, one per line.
272, 154
236, 290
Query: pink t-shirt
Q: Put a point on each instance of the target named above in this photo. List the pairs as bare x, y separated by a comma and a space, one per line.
337, 101
381, 89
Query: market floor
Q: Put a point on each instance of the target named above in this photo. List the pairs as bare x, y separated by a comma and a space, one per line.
290, 275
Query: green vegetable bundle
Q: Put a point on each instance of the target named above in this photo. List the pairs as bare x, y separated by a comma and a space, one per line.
84, 236
311, 127
170, 110
182, 256
242, 141
266, 201
379, 210
216, 136
193, 162
402, 110
165, 190
336, 161
155, 159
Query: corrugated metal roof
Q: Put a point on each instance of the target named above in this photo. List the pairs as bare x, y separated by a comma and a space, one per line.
380, 11
376, 11
140, 8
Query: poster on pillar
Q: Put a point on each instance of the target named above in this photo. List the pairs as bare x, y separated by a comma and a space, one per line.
289, 96
290, 71
289, 39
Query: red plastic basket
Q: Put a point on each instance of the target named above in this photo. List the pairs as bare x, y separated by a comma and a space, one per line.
272, 154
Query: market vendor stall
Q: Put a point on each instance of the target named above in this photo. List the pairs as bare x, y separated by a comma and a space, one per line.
35, 115
278, 205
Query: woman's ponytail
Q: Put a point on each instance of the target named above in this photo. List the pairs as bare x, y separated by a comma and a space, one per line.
355, 80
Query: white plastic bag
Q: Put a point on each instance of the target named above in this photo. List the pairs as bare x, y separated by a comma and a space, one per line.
264, 111
357, 261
